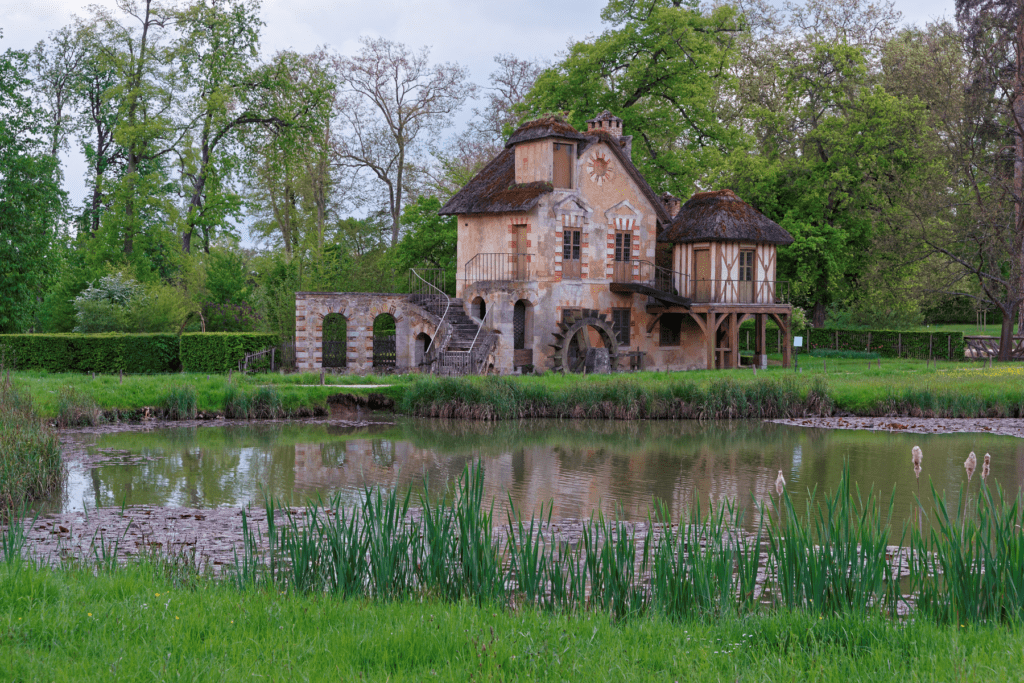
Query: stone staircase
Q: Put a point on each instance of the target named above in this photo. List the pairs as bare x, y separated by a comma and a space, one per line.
460, 347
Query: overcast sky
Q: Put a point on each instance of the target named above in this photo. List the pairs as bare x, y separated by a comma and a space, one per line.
470, 32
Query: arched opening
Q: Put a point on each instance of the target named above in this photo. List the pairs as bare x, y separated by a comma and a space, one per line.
334, 341
422, 344
522, 334
479, 307
384, 347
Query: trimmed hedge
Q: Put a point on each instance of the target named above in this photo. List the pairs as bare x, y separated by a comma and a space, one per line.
890, 344
220, 351
105, 353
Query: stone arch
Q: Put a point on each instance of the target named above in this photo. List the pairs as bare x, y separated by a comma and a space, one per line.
334, 341
478, 307
420, 351
384, 330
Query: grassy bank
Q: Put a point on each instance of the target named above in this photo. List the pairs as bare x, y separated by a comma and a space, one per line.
31, 463
139, 623
822, 386
76, 399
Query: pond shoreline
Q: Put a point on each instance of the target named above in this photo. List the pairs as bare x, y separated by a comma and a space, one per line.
1002, 426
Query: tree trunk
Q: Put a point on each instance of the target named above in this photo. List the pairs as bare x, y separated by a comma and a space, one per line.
1006, 332
818, 314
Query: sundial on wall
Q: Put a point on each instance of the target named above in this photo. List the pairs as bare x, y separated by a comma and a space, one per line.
599, 166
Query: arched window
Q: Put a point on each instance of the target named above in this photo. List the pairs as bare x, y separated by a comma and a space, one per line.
334, 341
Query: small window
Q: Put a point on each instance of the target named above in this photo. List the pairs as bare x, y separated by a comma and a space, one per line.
620, 323
671, 324
562, 162
623, 246
746, 265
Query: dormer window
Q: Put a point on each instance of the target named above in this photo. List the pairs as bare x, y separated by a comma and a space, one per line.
562, 163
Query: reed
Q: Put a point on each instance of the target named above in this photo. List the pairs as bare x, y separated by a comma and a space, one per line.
180, 402
75, 409
31, 461
832, 558
828, 559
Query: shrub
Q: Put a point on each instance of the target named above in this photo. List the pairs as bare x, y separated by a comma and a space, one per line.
890, 344
105, 353
220, 351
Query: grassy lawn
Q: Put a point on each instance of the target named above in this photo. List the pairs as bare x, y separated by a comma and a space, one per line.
139, 623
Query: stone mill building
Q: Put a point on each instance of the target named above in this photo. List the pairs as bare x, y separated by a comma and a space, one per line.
569, 261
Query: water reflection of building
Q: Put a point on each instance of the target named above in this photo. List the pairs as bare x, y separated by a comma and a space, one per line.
576, 478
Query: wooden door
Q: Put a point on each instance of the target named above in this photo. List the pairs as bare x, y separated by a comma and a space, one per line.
702, 275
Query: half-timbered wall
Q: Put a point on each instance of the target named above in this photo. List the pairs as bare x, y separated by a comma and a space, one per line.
725, 271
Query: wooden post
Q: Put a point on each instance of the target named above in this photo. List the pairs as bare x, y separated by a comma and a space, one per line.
120, 374
711, 330
734, 341
869, 342
787, 347
273, 352
949, 347
899, 344
321, 377
760, 337
837, 340
930, 335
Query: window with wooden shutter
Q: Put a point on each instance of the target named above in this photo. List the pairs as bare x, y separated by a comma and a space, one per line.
562, 162
571, 240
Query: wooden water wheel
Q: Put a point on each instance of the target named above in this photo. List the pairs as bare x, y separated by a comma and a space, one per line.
574, 331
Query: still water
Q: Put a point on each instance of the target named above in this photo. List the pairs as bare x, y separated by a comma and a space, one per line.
581, 467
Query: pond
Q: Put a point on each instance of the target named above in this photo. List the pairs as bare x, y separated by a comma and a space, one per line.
580, 466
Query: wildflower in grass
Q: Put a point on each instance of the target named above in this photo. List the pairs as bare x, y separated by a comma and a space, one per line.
780, 483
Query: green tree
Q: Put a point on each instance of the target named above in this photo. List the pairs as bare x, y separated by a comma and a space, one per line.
841, 156
31, 201
659, 68
428, 240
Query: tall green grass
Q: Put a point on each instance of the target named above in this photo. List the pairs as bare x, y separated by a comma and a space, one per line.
621, 398
828, 559
31, 461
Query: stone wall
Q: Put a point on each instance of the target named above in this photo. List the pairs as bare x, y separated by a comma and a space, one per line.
359, 310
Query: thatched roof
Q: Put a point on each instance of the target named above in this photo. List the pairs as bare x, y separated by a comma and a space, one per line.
721, 216
544, 127
494, 190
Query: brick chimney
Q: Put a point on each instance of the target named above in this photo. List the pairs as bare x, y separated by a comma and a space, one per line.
671, 203
605, 122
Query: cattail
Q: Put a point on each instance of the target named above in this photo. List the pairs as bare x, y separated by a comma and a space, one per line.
916, 457
971, 464
780, 483
986, 467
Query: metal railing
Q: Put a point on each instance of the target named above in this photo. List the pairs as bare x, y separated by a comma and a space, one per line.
511, 267
426, 287
736, 291
646, 273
